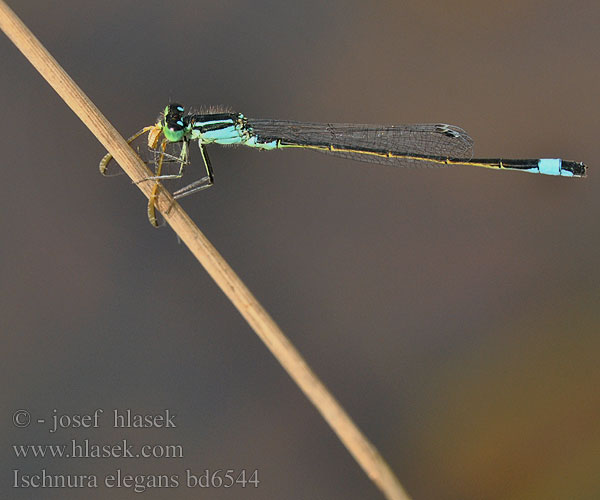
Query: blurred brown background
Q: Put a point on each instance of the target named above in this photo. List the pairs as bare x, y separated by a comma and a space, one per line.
454, 313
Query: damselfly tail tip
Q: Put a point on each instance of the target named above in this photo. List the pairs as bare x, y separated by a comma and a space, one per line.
576, 168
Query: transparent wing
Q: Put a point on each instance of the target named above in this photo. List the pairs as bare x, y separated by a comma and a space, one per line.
394, 145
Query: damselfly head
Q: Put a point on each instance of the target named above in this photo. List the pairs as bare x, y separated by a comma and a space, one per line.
173, 126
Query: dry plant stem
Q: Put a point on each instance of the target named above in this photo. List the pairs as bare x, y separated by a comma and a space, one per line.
360, 448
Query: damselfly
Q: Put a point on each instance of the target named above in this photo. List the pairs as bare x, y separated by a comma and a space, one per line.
394, 145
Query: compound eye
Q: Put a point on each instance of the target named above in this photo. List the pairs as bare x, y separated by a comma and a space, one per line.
174, 110
175, 125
